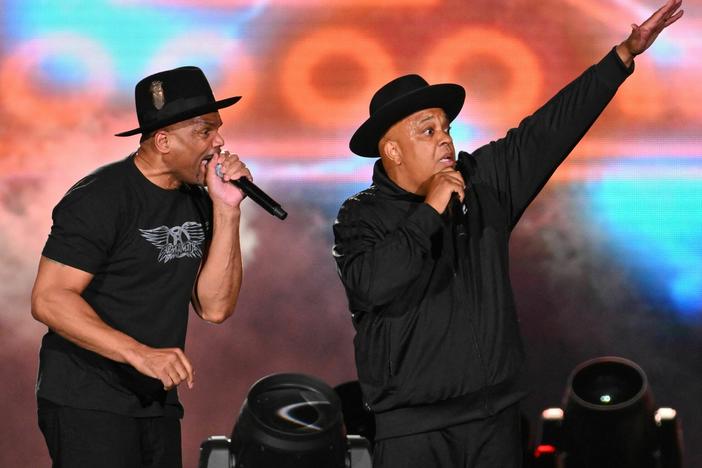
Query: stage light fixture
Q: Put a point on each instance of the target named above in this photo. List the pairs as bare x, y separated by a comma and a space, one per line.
608, 421
288, 421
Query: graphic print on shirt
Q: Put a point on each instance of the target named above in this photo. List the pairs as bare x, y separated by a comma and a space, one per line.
176, 242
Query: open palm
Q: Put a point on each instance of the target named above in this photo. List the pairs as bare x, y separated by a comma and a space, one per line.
643, 36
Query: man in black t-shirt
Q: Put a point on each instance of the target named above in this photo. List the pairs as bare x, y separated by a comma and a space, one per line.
131, 246
424, 261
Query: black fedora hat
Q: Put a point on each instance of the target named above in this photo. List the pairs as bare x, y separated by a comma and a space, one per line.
396, 100
171, 96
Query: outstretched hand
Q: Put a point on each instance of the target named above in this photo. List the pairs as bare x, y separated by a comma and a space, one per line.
643, 36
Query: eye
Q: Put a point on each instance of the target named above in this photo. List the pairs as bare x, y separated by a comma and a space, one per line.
428, 131
448, 130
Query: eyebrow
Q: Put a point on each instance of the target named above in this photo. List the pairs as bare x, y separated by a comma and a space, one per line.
208, 123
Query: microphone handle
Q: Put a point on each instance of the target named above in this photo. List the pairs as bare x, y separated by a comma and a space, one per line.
256, 194
260, 197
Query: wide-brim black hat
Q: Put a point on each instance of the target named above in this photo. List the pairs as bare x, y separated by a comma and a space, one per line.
398, 99
171, 96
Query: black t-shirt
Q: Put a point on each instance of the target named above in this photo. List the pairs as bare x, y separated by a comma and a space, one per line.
144, 246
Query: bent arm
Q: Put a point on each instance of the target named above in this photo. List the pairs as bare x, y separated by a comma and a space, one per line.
219, 281
376, 266
57, 303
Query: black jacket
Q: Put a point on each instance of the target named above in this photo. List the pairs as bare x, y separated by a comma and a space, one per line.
437, 337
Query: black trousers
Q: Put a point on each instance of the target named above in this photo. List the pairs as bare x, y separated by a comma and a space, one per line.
494, 442
79, 438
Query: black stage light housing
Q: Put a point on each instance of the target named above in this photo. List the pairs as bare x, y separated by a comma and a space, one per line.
288, 421
609, 420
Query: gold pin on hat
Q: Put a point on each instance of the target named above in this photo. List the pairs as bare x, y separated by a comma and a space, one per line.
157, 96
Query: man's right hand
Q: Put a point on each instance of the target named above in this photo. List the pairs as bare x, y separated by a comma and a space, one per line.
169, 365
441, 186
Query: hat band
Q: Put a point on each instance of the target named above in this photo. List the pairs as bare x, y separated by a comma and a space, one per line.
175, 107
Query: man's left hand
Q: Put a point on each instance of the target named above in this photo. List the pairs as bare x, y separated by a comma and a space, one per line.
643, 36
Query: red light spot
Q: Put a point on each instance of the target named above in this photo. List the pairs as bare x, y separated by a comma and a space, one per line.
543, 450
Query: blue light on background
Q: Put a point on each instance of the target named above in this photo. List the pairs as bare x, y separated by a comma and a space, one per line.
130, 34
465, 136
655, 225
667, 52
64, 70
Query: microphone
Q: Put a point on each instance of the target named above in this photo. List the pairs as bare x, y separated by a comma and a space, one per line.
456, 208
456, 212
256, 194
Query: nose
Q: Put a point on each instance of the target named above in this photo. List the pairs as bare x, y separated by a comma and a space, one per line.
219, 140
445, 138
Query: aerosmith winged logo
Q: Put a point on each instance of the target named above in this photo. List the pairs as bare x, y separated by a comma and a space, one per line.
176, 242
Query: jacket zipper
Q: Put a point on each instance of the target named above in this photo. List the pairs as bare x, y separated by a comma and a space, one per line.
459, 237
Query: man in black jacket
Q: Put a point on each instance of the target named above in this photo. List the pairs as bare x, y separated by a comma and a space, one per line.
423, 255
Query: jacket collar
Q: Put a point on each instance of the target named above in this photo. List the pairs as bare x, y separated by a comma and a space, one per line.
386, 186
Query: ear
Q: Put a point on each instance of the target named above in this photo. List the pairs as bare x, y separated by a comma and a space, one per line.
161, 141
391, 150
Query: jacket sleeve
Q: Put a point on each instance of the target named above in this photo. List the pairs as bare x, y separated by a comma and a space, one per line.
376, 264
519, 165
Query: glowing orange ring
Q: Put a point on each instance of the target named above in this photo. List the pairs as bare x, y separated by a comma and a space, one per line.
518, 99
32, 105
307, 102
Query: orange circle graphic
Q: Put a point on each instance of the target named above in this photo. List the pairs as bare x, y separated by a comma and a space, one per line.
508, 99
328, 56
25, 99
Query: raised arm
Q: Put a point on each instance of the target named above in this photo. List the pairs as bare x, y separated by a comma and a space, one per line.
518, 165
57, 303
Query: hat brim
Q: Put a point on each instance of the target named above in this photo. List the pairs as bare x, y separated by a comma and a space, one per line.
185, 115
448, 96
